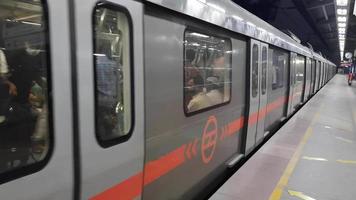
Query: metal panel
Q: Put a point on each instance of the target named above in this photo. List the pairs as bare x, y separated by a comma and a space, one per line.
229, 15
104, 168
168, 129
55, 180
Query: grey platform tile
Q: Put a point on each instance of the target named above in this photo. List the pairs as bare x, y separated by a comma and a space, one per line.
219, 196
324, 180
256, 179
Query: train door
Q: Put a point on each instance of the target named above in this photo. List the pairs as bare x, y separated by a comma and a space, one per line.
258, 93
109, 50
36, 132
321, 82
292, 81
263, 93
307, 80
313, 67
317, 76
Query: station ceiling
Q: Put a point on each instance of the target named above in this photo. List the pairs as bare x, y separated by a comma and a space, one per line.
313, 21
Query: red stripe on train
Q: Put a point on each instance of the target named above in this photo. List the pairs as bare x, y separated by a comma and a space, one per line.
132, 187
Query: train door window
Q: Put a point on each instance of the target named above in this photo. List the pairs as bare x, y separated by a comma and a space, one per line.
300, 69
279, 62
113, 65
207, 71
264, 70
25, 108
254, 70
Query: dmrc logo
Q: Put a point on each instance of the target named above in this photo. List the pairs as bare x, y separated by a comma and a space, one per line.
209, 139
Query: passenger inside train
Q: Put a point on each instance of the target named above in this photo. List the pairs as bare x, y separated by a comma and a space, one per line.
23, 90
207, 74
111, 77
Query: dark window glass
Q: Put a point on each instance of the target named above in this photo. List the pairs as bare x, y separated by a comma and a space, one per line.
279, 63
24, 84
264, 70
113, 73
207, 71
254, 70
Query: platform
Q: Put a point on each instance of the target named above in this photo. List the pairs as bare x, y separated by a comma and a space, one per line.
312, 157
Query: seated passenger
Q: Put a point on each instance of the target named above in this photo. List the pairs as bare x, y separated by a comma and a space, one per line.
214, 91
199, 100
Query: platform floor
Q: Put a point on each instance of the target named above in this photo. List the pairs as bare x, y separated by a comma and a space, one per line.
312, 157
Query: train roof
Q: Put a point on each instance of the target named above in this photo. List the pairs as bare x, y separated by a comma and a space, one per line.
229, 15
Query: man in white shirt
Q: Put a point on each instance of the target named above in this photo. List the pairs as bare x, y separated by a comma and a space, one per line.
5, 84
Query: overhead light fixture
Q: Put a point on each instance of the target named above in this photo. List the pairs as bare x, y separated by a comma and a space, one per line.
342, 30
341, 11
342, 25
341, 2
342, 55
341, 19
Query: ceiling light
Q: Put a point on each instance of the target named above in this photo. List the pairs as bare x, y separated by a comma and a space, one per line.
342, 55
341, 11
342, 25
341, 2
341, 19
342, 30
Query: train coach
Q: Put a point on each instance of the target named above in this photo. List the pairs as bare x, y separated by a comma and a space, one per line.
151, 99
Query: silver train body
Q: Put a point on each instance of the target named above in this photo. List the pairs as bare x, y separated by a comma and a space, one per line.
170, 153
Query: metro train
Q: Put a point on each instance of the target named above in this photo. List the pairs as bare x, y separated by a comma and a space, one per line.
151, 99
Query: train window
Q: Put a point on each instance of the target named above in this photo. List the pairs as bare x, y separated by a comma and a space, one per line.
24, 86
254, 70
279, 63
112, 58
207, 71
264, 70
